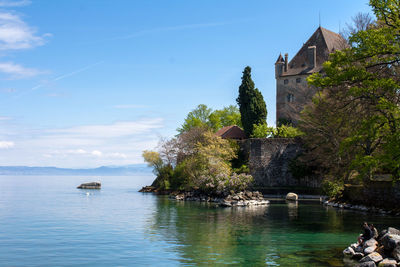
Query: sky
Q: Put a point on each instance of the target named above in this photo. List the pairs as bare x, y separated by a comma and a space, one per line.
92, 83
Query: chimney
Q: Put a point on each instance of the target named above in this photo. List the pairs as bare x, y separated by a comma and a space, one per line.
312, 56
286, 61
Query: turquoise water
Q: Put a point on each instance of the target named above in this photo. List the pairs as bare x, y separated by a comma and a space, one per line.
46, 221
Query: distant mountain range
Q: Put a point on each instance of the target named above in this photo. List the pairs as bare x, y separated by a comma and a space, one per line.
103, 170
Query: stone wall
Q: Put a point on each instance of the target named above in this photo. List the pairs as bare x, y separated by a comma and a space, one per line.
269, 162
376, 193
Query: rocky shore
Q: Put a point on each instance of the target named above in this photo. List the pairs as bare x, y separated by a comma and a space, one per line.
361, 208
384, 251
241, 199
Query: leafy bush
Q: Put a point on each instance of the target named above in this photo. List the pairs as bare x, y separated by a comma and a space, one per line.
224, 183
283, 131
333, 189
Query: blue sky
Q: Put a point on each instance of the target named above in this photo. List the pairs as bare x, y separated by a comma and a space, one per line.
91, 83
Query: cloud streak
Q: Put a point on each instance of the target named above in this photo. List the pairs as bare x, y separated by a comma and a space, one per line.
9, 3
117, 143
6, 144
17, 71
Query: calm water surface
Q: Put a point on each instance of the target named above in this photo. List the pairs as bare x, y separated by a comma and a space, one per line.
46, 221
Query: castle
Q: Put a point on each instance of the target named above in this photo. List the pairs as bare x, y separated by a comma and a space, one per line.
292, 90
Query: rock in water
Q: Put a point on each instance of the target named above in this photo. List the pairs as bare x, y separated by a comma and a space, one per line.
292, 196
367, 264
349, 251
374, 256
388, 263
91, 185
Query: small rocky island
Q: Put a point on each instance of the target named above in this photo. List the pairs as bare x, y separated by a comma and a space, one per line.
91, 185
384, 251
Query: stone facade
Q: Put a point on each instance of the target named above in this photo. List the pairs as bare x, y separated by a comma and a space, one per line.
292, 90
269, 162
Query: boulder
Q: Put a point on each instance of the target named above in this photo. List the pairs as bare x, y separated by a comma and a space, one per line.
389, 242
349, 251
396, 252
374, 256
393, 231
388, 263
91, 185
370, 243
292, 196
369, 250
358, 256
366, 264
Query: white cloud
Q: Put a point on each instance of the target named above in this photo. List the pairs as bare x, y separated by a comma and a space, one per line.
6, 144
118, 129
5, 118
118, 155
10, 3
97, 153
15, 34
119, 143
17, 71
77, 151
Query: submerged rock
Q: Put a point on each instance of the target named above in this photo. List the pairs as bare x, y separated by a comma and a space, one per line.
91, 185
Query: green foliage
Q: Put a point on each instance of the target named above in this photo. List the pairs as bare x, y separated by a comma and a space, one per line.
354, 120
224, 183
333, 189
197, 118
225, 117
201, 159
283, 131
204, 117
251, 103
262, 131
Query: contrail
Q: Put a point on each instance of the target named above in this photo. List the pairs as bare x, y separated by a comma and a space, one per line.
61, 77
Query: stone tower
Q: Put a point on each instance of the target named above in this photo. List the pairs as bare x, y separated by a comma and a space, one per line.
292, 90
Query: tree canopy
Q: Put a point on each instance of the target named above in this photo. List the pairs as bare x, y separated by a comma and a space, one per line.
353, 123
251, 103
204, 117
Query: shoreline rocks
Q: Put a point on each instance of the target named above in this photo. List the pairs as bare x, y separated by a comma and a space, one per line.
91, 185
361, 208
241, 199
384, 252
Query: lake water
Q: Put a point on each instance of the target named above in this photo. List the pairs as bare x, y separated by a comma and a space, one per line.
46, 221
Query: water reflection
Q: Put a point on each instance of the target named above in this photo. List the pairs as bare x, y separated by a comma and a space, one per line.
282, 234
292, 209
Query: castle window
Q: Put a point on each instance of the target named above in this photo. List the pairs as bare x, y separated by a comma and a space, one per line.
298, 80
290, 98
286, 81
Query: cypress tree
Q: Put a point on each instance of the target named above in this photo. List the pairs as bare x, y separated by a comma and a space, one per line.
251, 103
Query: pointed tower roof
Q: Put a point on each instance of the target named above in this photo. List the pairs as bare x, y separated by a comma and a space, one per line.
325, 42
280, 59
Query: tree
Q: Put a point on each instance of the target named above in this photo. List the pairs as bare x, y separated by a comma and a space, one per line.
251, 103
204, 117
359, 22
225, 117
197, 118
355, 116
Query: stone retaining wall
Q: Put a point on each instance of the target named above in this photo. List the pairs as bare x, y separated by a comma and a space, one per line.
375, 194
269, 163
